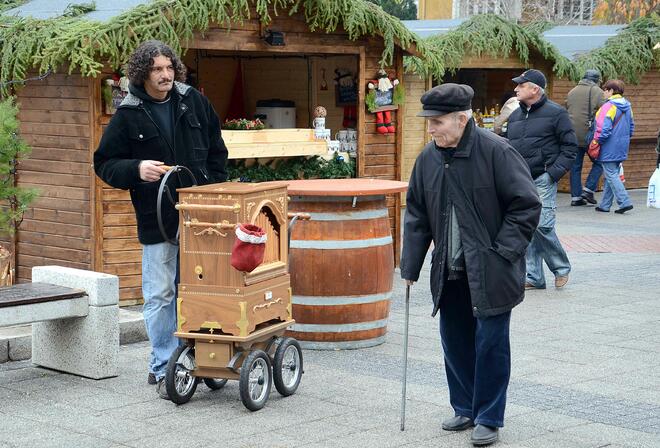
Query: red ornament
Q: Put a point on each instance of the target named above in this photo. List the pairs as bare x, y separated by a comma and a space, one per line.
249, 247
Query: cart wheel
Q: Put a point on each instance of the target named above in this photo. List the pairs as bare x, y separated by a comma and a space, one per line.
287, 366
179, 380
215, 383
255, 380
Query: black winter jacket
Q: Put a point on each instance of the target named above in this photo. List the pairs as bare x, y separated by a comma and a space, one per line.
132, 136
497, 207
544, 136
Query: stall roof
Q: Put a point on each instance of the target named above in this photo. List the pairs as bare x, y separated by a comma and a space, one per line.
570, 41
573, 41
104, 10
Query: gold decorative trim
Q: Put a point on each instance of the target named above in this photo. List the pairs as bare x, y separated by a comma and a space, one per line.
210, 231
180, 320
249, 207
289, 307
243, 322
211, 326
266, 305
281, 200
238, 294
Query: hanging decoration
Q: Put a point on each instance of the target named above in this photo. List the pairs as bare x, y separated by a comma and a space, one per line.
384, 92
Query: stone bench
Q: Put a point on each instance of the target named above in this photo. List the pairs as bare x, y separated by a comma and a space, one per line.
75, 319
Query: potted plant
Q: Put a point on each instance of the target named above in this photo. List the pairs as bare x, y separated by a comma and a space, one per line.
13, 199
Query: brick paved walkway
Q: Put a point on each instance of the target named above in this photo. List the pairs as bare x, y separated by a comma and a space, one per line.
621, 244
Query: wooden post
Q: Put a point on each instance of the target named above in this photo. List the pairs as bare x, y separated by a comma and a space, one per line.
6, 267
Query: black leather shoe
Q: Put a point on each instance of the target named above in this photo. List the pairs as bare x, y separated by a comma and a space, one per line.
483, 435
598, 209
622, 210
589, 197
578, 202
458, 423
151, 378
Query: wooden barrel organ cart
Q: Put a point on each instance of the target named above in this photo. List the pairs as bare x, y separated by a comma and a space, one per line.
233, 322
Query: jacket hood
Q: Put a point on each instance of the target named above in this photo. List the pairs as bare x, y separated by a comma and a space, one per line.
620, 102
587, 82
137, 95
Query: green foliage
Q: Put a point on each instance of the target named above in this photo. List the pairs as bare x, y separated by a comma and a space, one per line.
85, 45
291, 169
13, 200
403, 9
491, 35
78, 9
629, 54
626, 56
370, 100
399, 95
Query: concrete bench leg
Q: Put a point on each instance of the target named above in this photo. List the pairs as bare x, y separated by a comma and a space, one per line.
86, 346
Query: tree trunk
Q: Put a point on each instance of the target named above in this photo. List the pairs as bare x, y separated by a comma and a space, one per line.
6, 271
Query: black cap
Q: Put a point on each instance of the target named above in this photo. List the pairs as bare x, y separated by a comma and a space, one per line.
592, 75
445, 99
531, 75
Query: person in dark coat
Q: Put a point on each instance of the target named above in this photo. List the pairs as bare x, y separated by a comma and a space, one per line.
161, 122
471, 194
541, 131
582, 103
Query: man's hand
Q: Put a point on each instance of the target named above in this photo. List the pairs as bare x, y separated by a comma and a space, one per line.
410, 282
152, 170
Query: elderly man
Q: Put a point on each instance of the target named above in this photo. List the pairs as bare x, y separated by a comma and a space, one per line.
471, 194
161, 122
582, 103
542, 133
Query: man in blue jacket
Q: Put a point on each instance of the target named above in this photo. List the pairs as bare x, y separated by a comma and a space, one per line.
161, 122
541, 131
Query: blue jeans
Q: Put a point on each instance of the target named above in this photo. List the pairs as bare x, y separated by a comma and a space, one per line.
159, 276
591, 184
477, 356
545, 245
613, 187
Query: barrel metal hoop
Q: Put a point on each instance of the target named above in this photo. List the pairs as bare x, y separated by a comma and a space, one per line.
340, 300
340, 244
349, 216
342, 345
339, 328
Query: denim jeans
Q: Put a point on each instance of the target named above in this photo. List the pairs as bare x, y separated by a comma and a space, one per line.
477, 356
159, 277
545, 245
591, 184
614, 188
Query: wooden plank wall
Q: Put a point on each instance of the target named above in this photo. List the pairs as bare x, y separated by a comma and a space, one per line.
381, 155
644, 98
54, 116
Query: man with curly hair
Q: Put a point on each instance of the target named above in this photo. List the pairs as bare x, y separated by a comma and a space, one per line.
162, 122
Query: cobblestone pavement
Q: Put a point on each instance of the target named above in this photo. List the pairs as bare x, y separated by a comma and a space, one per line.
586, 372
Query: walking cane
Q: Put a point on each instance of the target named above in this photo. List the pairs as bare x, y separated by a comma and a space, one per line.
405, 360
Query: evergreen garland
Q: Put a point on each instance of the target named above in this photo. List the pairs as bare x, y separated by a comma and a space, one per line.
491, 35
629, 54
293, 168
85, 45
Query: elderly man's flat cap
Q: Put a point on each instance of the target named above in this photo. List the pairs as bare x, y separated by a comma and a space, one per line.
533, 76
445, 99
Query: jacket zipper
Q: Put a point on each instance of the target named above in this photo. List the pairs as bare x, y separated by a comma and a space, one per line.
161, 132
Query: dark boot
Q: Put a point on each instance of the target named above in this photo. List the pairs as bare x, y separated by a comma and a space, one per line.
483, 435
458, 423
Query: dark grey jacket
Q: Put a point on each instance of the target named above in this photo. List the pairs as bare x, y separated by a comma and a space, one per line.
498, 210
544, 136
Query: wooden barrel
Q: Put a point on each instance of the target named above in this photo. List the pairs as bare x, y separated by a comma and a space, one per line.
341, 262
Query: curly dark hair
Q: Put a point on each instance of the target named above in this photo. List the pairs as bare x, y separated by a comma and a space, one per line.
142, 60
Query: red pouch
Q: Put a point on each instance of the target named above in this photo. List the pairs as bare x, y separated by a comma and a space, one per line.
249, 247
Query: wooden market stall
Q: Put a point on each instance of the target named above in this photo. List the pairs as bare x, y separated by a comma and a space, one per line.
492, 57
80, 222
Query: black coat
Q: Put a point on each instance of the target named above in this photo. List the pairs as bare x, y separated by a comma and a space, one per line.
132, 136
497, 207
543, 134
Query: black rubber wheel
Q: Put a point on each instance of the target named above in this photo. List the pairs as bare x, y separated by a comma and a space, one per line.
255, 380
179, 380
215, 383
287, 366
